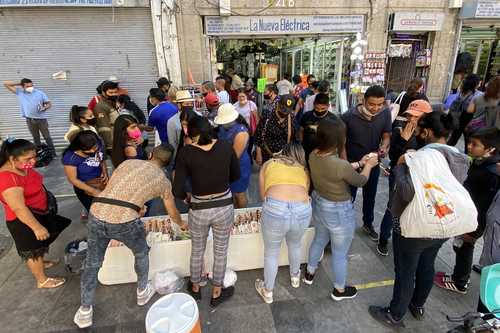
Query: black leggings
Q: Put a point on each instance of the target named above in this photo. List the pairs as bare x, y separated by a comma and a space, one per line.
84, 198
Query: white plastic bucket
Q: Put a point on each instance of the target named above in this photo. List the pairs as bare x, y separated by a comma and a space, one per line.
174, 313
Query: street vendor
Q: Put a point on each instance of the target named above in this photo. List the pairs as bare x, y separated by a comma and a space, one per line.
115, 214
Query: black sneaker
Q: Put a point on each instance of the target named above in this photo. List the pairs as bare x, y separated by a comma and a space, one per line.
308, 278
384, 316
417, 312
371, 233
477, 268
195, 295
225, 294
349, 292
382, 248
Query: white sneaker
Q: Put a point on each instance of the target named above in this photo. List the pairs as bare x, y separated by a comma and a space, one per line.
295, 281
83, 318
267, 296
143, 297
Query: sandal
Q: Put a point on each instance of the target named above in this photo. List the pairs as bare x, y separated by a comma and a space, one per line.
50, 263
51, 283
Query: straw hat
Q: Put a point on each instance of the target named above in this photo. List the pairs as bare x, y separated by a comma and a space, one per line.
183, 96
226, 114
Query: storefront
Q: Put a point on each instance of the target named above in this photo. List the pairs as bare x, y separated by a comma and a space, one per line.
82, 45
409, 47
272, 46
478, 47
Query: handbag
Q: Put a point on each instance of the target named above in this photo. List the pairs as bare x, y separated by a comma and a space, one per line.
51, 205
253, 123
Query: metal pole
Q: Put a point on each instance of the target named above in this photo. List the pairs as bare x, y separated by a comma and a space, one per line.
478, 57
453, 62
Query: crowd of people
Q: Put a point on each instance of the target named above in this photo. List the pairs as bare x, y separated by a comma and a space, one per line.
312, 162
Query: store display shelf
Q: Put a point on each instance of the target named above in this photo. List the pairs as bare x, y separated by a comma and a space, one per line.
246, 252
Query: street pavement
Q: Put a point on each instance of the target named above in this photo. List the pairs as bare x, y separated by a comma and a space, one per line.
23, 308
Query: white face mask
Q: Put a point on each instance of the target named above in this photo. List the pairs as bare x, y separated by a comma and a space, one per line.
29, 89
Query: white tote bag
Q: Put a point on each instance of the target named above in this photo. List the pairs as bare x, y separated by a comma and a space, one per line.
441, 207
394, 107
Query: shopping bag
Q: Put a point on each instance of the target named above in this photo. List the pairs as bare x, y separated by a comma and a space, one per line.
441, 207
395, 107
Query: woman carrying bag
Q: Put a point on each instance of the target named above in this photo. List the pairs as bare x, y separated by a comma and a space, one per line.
85, 167
31, 211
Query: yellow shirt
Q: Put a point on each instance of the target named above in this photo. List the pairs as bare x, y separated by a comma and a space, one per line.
279, 173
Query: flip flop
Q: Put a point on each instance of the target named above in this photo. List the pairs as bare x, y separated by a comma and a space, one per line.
50, 263
57, 282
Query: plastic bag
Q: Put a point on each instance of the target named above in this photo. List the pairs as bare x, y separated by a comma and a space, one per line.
167, 282
230, 278
441, 207
74, 255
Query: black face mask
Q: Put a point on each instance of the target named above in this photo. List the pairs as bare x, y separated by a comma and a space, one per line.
92, 121
420, 141
112, 98
267, 97
205, 94
187, 109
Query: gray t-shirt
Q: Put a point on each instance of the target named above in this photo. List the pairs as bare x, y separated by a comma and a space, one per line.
486, 108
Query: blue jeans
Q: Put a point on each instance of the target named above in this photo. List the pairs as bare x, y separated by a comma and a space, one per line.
335, 223
131, 234
369, 193
386, 224
283, 220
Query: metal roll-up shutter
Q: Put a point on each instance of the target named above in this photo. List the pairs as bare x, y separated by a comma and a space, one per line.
90, 44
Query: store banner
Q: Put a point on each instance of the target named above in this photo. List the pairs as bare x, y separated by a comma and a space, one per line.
411, 21
279, 25
488, 9
56, 3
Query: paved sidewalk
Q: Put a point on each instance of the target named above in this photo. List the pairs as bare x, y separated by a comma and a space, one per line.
23, 308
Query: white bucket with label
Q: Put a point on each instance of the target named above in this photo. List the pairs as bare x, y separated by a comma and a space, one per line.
174, 313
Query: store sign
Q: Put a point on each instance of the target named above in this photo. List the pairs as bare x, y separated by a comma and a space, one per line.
56, 3
488, 9
411, 21
279, 25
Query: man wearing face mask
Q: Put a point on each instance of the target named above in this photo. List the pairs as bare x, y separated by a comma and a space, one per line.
310, 121
185, 103
106, 113
275, 129
271, 98
34, 104
369, 129
210, 98
160, 114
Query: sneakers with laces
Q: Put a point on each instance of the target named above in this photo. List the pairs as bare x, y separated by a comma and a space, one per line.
349, 292
308, 278
417, 312
384, 316
267, 296
144, 296
446, 282
83, 317
371, 233
382, 248
295, 281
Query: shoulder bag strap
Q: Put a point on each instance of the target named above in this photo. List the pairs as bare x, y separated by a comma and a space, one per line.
289, 132
400, 97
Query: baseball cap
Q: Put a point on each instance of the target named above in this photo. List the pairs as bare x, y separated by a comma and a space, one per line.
419, 107
211, 100
286, 103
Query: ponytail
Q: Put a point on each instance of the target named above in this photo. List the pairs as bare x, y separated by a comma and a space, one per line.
14, 148
76, 113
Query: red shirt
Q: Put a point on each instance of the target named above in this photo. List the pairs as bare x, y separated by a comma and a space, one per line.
34, 194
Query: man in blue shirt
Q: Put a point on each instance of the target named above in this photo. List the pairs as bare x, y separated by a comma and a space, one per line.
368, 128
34, 104
160, 114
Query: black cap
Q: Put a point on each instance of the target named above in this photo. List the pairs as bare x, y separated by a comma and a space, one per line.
163, 81
286, 103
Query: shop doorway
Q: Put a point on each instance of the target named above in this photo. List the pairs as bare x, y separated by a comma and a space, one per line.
409, 56
327, 58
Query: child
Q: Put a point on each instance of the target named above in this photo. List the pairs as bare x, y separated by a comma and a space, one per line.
483, 182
